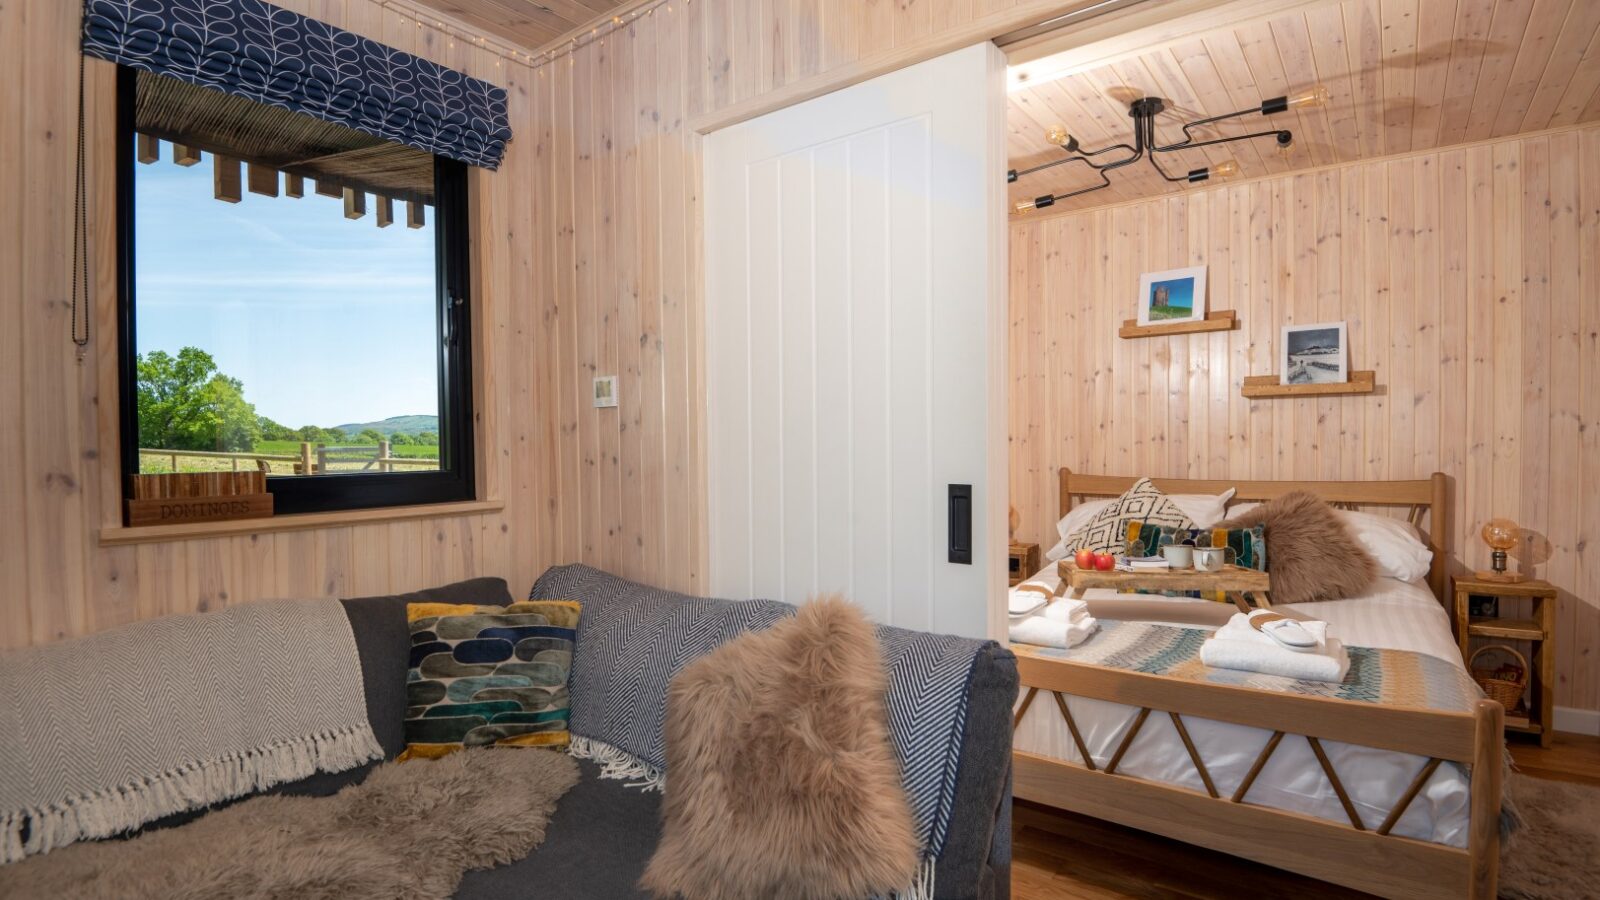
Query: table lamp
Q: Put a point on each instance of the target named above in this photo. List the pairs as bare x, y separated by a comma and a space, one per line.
1501, 535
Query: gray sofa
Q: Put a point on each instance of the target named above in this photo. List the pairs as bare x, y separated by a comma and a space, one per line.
603, 833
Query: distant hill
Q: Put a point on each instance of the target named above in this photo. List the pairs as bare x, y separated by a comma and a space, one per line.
412, 425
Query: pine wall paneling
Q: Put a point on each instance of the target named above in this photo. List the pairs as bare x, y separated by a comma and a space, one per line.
58, 490
587, 250
619, 242
1468, 277
604, 148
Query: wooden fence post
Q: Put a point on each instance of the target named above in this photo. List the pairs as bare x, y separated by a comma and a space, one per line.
383, 457
305, 458
322, 459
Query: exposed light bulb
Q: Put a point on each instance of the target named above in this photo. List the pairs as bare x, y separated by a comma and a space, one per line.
1225, 169
1058, 135
1316, 95
1023, 206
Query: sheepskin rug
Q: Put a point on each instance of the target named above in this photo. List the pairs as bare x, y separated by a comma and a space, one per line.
408, 832
784, 783
1555, 854
1311, 555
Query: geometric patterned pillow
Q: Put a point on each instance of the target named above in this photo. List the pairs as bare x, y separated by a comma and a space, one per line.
483, 675
1141, 505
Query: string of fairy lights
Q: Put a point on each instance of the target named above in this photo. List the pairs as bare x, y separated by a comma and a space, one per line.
535, 60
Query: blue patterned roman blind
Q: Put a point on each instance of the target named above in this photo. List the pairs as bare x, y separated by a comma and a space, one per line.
259, 51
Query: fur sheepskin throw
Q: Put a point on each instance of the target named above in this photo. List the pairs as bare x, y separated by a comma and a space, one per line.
408, 832
1311, 555
784, 783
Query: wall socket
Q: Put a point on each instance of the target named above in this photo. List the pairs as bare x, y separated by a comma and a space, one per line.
605, 391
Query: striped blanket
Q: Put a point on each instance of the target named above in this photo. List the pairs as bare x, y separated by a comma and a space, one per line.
633, 639
1389, 677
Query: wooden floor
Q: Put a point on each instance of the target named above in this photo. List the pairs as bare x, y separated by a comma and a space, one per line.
1058, 855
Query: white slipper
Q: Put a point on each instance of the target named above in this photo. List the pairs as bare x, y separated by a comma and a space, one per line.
1287, 632
1028, 598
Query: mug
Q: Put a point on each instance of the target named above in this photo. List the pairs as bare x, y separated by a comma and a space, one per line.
1209, 559
1179, 556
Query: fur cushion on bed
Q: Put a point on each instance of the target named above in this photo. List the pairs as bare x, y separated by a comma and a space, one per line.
1311, 554
784, 783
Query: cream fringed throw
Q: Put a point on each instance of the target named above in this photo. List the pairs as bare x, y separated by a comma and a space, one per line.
785, 783
102, 734
408, 832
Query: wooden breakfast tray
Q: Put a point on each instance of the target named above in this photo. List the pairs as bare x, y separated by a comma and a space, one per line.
1235, 581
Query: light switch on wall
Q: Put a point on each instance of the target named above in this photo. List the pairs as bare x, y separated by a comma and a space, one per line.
605, 391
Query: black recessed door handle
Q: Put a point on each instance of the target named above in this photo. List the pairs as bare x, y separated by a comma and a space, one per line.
960, 527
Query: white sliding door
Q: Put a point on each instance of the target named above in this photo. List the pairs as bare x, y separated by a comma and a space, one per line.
855, 346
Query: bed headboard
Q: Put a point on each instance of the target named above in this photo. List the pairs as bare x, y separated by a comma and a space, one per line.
1427, 501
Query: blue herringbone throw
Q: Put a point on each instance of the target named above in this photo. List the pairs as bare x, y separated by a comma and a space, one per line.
632, 640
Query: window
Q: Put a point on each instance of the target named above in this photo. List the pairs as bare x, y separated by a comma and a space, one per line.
293, 301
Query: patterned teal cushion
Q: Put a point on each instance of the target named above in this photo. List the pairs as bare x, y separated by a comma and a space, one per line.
1246, 547
484, 675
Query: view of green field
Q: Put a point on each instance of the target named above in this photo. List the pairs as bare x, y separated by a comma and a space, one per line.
193, 418
292, 448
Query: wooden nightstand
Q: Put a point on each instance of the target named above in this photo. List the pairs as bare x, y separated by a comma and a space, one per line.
1535, 716
1024, 562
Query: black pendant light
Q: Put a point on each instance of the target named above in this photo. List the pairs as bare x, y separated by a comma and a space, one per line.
1143, 112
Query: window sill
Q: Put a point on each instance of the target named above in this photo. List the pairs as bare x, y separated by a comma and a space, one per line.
150, 534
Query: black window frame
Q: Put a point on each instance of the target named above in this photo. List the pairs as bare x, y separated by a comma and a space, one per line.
455, 481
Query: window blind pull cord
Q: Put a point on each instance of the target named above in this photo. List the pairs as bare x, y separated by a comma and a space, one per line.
80, 236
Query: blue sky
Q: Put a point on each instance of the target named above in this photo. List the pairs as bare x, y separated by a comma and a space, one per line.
326, 320
1180, 291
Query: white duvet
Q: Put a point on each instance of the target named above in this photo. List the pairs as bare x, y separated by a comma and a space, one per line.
1395, 615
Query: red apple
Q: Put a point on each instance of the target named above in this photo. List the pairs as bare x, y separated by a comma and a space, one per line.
1105, 562
1084, 559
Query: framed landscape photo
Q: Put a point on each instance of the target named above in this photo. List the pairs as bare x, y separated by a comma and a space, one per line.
1314, 354
1176, 295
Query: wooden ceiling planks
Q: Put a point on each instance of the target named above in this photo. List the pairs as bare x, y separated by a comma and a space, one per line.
1403, 76
525, 23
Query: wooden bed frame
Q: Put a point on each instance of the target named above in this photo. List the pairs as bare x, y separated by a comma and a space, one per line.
1360, 855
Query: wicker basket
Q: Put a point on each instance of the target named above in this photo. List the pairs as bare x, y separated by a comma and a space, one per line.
1505, 682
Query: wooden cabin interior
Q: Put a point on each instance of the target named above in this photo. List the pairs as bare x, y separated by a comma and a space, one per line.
1197, 403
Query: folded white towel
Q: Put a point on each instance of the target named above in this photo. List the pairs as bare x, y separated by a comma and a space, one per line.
1067, 610
1063, 624
1327, 664
1239, 645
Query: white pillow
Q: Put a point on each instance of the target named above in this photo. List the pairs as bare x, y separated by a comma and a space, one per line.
1396, 546
1079, 516
1071, 523
1204, 510
1239, 509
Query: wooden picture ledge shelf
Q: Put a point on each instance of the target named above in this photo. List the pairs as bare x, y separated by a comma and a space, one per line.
1363, 382
1220, 320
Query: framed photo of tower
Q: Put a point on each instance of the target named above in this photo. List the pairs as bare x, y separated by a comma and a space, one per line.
1176, 295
